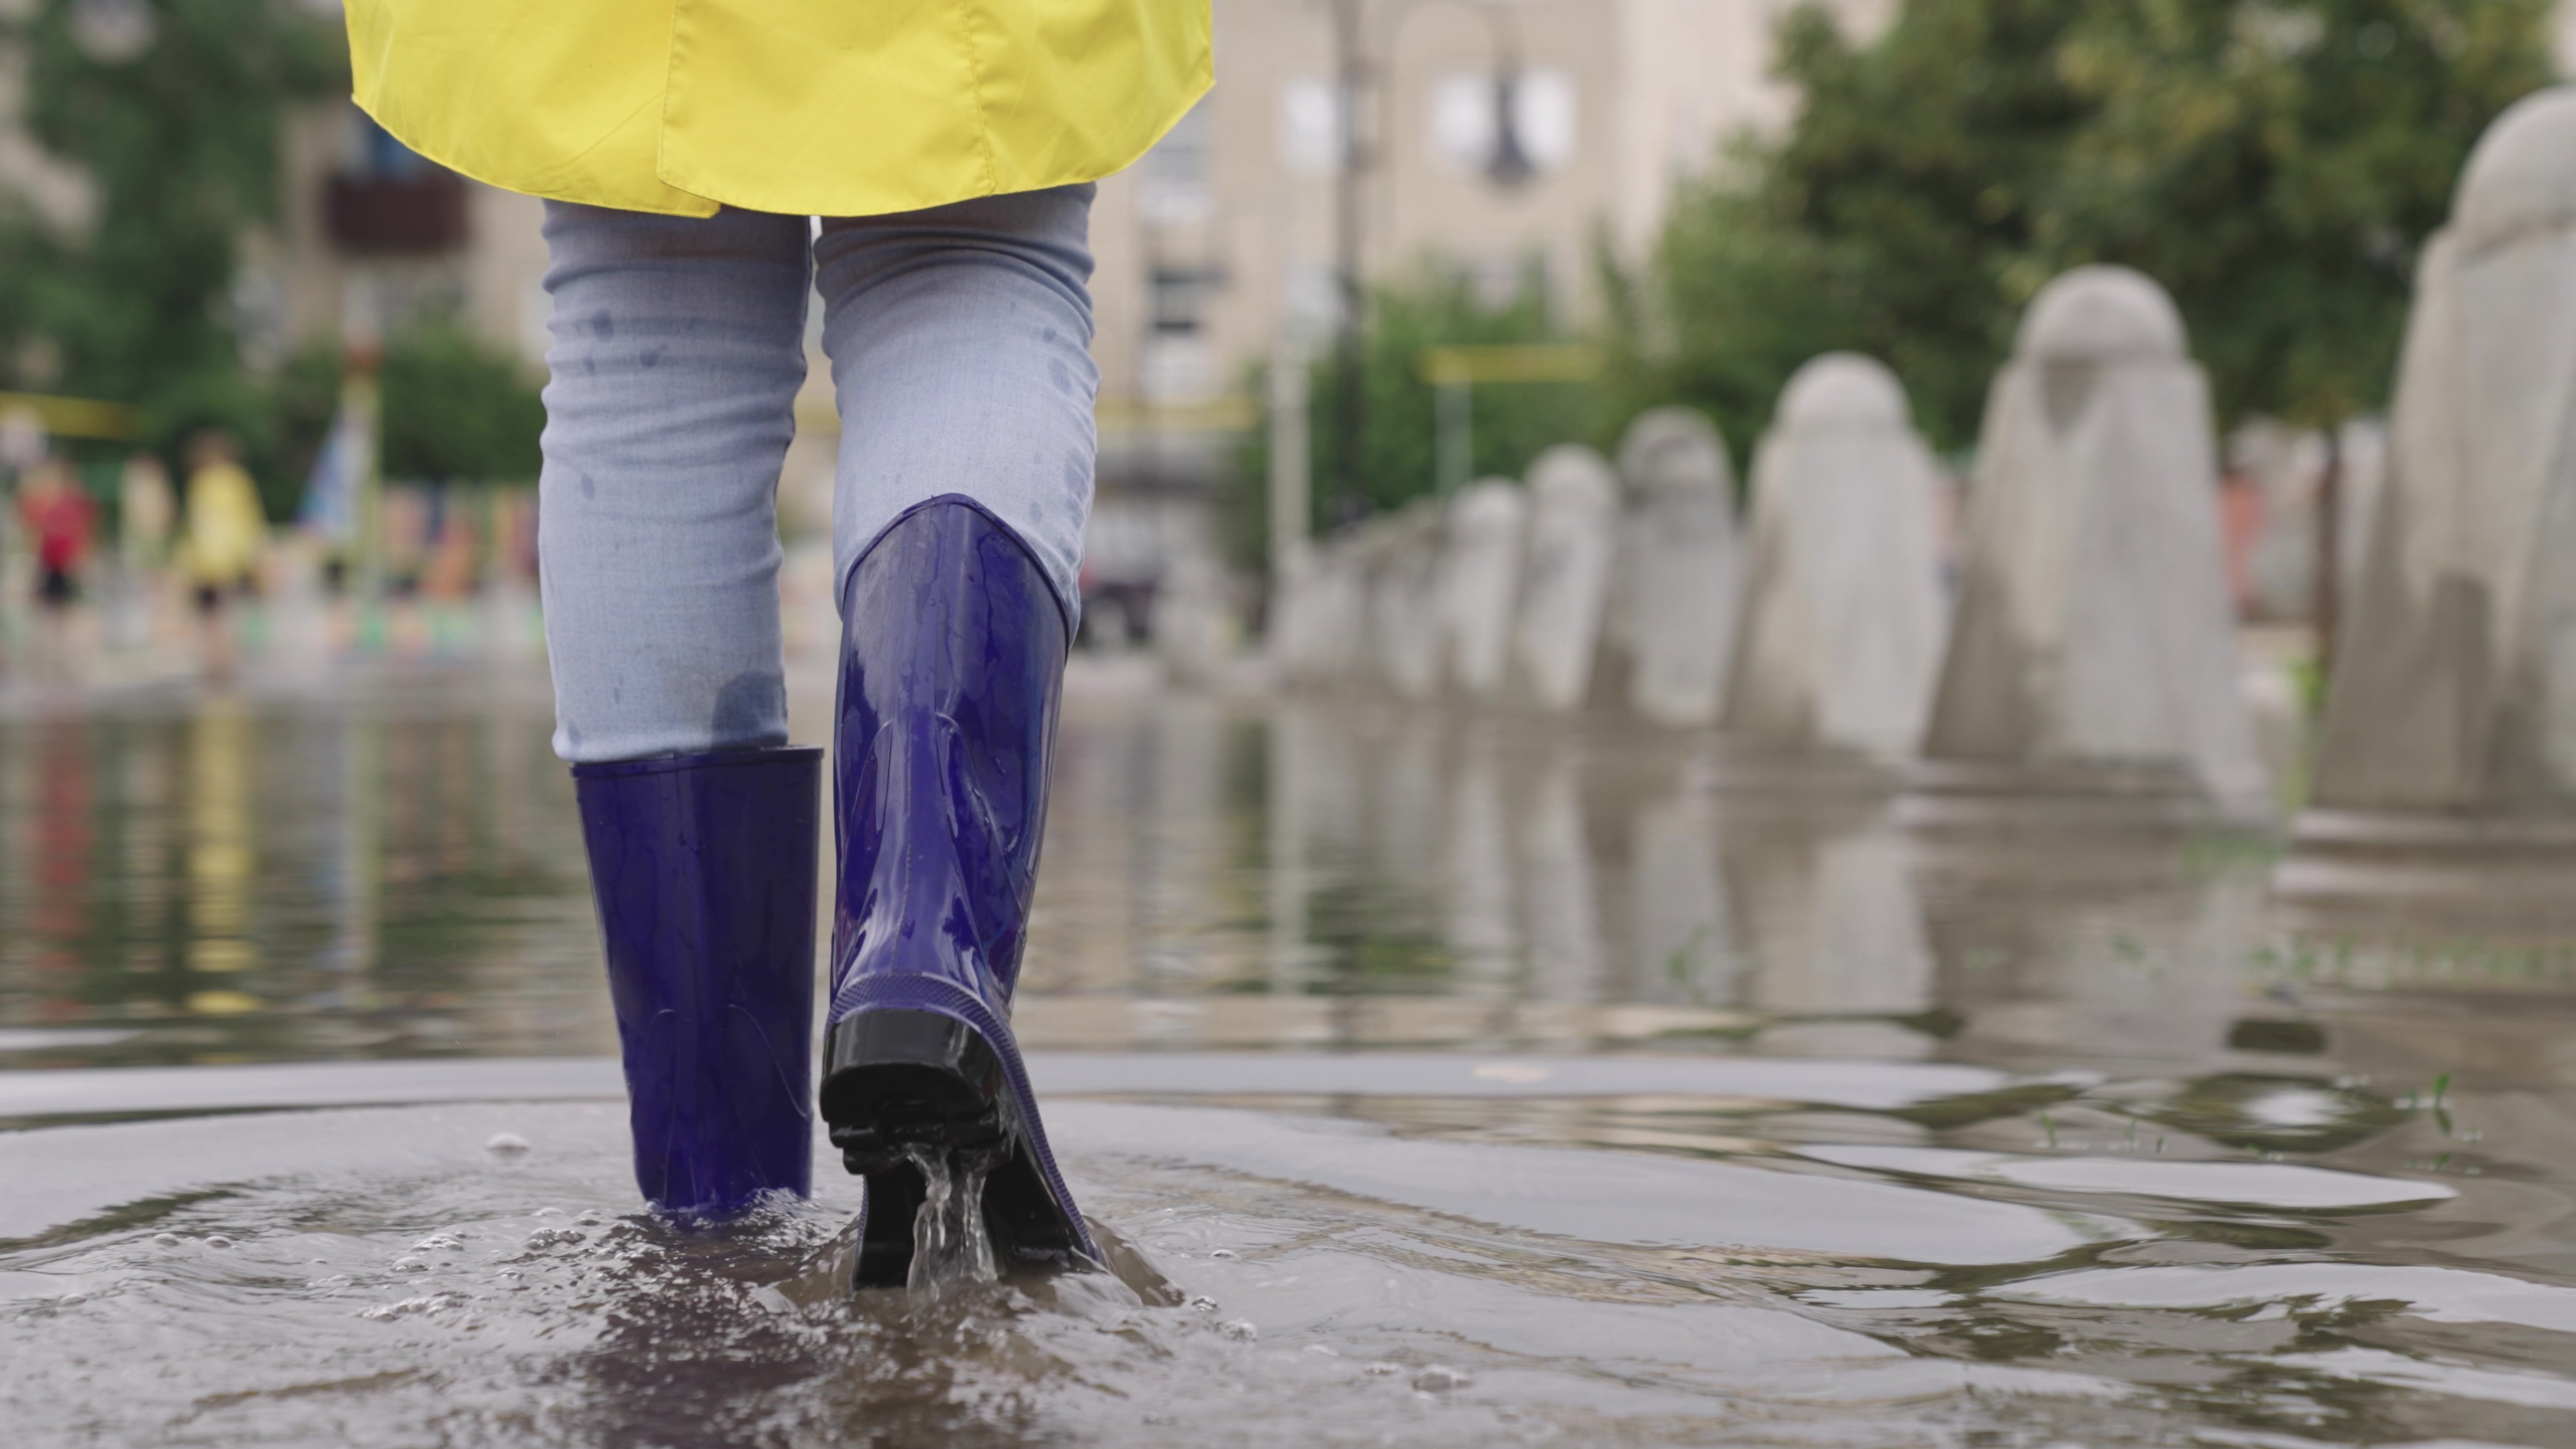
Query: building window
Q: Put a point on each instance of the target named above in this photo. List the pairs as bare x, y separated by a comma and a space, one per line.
1466, 111
383, 157
391, 201
1175, 173
1310, 126
1177, 370
1180, 299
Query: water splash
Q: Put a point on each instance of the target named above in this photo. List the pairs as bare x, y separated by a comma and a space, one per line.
949, 1245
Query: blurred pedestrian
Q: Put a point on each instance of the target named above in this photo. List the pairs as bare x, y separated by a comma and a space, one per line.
145, 511
24, 445
225, 533
948, 152
59, 517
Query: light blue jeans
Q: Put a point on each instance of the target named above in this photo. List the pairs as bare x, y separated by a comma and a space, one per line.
960, 344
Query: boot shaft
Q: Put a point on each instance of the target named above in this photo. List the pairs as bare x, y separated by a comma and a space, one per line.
703, 868
952, 658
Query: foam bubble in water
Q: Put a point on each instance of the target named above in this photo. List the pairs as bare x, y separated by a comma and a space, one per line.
506, 1145
1440, 1378
432, 1303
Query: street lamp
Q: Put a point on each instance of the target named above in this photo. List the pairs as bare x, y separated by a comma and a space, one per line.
1350, 400
1508, 167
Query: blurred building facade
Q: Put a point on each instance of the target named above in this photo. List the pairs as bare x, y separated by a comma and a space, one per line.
1212, 249
1222, 242
1225, 234
370, 235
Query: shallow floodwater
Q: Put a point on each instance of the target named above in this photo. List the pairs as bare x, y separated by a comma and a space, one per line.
1441, 1081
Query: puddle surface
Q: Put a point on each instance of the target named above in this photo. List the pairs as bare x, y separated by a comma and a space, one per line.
1453, 1084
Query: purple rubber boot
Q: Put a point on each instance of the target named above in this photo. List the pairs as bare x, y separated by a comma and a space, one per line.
952, 656
703, 870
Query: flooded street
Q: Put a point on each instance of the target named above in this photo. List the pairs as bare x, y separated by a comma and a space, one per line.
1445, 1080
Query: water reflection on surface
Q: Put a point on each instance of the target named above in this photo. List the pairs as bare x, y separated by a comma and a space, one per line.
1468, 1081
245, 879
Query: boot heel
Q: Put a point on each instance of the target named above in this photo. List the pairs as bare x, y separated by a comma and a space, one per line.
896, 1080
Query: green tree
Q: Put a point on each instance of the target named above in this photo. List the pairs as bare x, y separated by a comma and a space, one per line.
454, 408
2274, 163
173, 113
458, 408
1901, 215
2278, 166
1437, 305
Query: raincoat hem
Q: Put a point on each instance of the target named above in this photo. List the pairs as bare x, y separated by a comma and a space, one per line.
707, 207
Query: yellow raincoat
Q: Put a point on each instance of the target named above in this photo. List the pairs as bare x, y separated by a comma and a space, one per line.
226, 528
807, 107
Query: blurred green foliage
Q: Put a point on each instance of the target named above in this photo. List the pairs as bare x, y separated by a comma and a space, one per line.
1437, 304
454, 408
1891, 218
2275, 165
457, 407
179, 141
2278, 167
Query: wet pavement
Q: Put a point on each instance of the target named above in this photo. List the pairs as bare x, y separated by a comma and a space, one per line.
1445, 1080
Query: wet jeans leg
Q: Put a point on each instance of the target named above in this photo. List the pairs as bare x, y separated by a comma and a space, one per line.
678, 350
960, 340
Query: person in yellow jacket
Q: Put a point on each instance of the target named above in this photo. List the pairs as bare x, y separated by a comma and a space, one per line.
220, 547
926, 167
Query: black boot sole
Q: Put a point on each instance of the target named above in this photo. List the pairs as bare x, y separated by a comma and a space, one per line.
897, 1080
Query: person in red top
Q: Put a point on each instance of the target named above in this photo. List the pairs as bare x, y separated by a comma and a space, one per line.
59, 517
